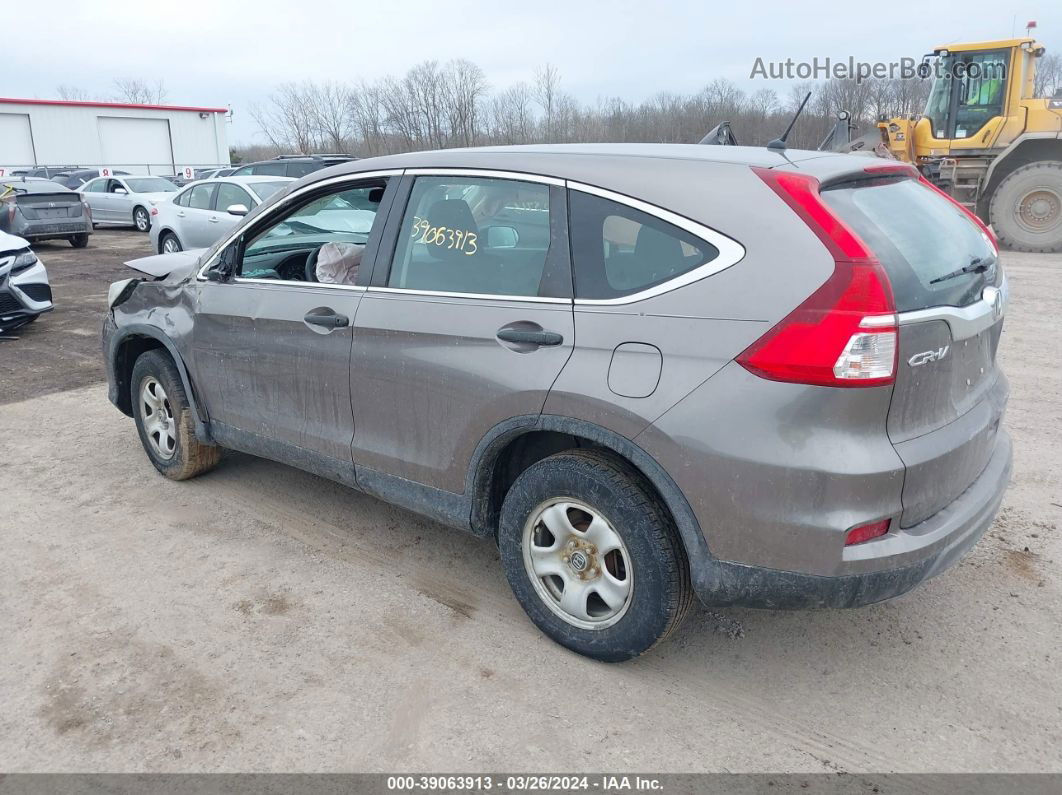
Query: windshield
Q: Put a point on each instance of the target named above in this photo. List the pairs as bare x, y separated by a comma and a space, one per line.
266, 189
150, 185
919, 236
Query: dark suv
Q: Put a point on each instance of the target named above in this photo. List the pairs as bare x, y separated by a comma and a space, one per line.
647, 371
290, 165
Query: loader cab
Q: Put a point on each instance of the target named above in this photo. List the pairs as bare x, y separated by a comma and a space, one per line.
969, 93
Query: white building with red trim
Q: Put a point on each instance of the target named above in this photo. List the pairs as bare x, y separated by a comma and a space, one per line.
140, 139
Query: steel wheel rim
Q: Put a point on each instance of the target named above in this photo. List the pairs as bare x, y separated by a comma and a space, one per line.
1039, 210
578, 564
141, 220
169, 246
157, 418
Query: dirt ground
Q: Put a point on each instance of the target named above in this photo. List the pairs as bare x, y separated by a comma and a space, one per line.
259, 618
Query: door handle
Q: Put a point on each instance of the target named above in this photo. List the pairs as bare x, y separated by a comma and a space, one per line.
529, 337
327, 319
213, 219
180, 215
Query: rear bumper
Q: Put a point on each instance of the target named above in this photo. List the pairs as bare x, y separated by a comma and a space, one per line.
928, 549
54, 229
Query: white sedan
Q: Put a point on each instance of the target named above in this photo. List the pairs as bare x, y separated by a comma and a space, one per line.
204, 211
125, 200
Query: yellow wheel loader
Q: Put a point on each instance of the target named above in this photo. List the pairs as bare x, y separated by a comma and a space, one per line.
986, 140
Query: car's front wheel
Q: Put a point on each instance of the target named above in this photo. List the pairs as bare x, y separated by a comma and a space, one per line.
170, 244
164, 420
593, 556
141, 219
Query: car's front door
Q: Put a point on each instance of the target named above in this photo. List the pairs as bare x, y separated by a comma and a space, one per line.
272, 343
466, 324
220, 221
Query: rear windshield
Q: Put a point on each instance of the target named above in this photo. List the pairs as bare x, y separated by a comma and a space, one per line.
919, 236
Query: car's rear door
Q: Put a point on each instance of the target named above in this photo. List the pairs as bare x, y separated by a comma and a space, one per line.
462, 327
272, 346
949, 396
196, 229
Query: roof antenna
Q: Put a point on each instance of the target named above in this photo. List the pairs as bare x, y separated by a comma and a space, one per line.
778, 144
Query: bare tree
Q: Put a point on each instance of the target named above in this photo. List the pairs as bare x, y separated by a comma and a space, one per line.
288, 120
547, 88
329, 106
464, 86
72, 93
1048, 78
139, 92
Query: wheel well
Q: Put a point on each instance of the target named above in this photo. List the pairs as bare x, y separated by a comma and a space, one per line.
129, 350
162, 236
514, 458
1031, 151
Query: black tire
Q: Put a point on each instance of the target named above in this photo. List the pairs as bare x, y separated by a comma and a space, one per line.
79, 241
166, 236
141, 219
660, 594
1026, 208
189, 456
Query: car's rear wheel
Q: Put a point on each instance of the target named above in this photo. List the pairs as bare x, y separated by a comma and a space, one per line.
164, 420
79, 241
141, 219
170, 244
593, 556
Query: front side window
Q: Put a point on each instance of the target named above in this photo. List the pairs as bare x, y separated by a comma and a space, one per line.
471, 235
229, 194
319, 240
618, 251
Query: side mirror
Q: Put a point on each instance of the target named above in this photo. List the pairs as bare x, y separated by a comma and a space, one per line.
225, 267
120, 191
237, 209
502, 237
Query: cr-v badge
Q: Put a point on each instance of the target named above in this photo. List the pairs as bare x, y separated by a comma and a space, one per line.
925, 357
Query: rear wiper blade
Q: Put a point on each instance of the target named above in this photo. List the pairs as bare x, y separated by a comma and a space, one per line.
977, 265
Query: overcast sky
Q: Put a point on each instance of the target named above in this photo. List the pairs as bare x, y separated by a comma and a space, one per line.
232, 53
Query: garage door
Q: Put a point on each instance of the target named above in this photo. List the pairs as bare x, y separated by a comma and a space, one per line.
16, 142
136, 144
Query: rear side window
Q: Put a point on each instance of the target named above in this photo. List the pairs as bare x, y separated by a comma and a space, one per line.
919, 237
199, 198
618, 251
472, 235
269, 169
299, 169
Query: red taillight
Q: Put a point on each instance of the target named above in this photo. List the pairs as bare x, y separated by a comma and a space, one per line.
10, 211
865, 532
972, 215
844, 334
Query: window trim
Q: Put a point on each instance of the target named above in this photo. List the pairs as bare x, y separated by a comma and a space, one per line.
279, 208
731, 252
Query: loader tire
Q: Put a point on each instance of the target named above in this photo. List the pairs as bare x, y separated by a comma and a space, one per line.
1026, 208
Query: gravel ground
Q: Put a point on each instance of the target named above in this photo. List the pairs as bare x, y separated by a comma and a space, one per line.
260, 618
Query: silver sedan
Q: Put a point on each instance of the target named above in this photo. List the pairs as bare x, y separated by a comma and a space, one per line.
204, 211
125, 200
